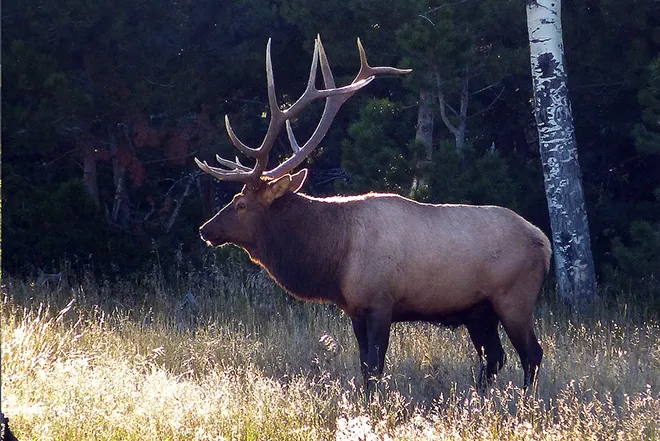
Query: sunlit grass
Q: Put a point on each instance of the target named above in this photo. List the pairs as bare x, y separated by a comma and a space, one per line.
91, 361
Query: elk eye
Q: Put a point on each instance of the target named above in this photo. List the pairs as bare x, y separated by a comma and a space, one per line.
240, 206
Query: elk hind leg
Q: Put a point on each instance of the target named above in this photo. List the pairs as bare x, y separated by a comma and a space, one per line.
516, 312
529, 350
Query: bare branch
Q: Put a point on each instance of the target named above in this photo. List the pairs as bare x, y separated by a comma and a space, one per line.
492, 103
170, 86
443, 106
483, 89
179, 202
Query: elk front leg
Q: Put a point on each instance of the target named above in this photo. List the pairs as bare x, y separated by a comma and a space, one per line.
372, 330
360, 330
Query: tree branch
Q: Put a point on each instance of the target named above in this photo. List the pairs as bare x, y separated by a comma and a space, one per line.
157, 84
443, 106
488, 107
483, 89
465, 93
178, 203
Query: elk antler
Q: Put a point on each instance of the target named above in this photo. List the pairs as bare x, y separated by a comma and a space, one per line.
335, 97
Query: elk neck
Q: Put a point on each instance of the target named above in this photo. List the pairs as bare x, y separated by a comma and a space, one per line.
302, 244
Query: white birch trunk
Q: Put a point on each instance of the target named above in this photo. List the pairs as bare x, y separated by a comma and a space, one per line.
574, 267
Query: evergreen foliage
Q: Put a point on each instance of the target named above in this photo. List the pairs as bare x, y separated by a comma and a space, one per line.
647, 132
636, 260
373, 153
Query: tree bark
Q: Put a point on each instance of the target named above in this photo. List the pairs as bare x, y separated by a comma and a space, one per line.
458, 130
574, 266
120, 212
89, 172
424, 138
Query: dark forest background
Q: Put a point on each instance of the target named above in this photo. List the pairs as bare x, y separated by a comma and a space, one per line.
105, 105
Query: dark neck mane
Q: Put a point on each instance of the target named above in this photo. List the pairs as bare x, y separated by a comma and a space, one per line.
302, 244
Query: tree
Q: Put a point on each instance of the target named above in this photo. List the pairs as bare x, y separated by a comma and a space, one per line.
574, 266
464, 57
462, 52
424, 140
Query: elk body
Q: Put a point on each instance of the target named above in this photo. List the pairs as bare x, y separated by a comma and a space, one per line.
382, 258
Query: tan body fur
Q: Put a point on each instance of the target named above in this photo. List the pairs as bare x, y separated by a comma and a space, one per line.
438, 259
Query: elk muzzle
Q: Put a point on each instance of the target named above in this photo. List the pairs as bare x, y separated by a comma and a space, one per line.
210, 234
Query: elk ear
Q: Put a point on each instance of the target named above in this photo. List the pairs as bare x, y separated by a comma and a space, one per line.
297, 180
277, 187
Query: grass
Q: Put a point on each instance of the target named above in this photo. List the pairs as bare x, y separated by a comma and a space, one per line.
133, 361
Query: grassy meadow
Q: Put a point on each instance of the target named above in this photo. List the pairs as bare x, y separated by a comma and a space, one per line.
237, 359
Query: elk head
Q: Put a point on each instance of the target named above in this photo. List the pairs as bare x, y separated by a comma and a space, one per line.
240, 220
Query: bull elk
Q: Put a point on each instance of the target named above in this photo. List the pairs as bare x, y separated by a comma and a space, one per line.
382, 258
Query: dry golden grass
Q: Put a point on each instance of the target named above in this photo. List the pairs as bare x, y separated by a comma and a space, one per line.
124, 362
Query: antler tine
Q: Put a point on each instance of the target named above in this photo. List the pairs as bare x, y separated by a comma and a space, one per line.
328, 79
247, 151
292, 139
235, 175
276, 114
368, 71
234, 165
